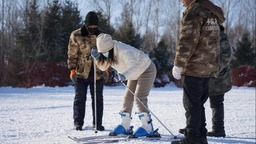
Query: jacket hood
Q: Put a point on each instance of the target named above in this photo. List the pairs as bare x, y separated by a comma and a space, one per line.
214, 9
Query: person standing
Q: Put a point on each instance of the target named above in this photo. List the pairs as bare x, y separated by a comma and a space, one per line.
81, 68
136, 67
218, 87
196, 60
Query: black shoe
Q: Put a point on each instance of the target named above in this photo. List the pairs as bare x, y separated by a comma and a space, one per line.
78, 127
182, 131
203, 141
188, 140
100, 128
216, 133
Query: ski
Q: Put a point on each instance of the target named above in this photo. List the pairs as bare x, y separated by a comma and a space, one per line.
98, 139
120, 138
74, 138
103, 138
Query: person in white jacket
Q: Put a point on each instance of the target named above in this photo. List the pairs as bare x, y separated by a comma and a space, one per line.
137, 68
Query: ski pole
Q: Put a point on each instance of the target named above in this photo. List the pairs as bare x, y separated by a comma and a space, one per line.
95, 96
149, 110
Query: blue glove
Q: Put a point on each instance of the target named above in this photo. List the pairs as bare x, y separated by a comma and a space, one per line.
95, 53
119, 77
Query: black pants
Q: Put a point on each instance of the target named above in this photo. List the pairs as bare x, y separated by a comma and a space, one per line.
80, 100
195, 94
217, 106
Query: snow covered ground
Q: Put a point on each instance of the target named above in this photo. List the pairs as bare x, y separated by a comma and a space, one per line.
43, 115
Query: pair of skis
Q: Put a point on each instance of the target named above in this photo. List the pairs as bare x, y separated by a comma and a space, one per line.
122, 138
119, 138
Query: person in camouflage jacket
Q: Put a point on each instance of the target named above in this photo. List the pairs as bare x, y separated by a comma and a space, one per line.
81, 64
197, 61
219, 86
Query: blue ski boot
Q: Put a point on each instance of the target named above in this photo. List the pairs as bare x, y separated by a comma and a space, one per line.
146, 128
124, 128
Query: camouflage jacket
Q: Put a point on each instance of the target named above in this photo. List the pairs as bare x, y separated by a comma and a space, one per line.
222, 83
79, 54
198, 47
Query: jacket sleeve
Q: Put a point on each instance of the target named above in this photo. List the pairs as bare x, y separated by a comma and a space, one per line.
225, 51
72, 52
189, 37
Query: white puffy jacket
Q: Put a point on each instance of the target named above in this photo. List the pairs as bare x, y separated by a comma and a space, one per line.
131, 61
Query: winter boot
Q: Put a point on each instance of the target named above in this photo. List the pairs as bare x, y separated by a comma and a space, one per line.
203, 140
99, 127
189, 140
78, 127
216, 133
146, 128
182, 131
217, 123
123, 128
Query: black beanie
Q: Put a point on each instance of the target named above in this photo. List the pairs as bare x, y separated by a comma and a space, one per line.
91, 19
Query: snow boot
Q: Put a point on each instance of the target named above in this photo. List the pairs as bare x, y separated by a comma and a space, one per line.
146, 128
190, 140
100, 127
78, 127
182, 131
124, 128
215, 133
218, 129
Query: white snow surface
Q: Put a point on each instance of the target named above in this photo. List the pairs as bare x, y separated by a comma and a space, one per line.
44, 115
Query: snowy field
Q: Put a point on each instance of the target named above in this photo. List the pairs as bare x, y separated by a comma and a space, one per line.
43, 115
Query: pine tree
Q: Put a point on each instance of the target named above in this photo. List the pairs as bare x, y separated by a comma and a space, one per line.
29, 46
52, 32
29, 41
244, 53
60, 21
161, 57
104, 25
70, 21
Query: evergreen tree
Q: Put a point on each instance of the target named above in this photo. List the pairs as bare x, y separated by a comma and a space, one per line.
29, 40
52, 32
244, 52
70, 21
148, 41
28, 48
60, 21
104, 25
161, 57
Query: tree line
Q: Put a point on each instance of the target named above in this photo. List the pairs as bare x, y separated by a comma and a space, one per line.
35, 35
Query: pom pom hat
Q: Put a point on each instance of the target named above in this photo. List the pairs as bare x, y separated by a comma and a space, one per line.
104, 43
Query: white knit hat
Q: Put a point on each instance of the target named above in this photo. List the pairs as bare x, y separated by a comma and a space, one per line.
104, 43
